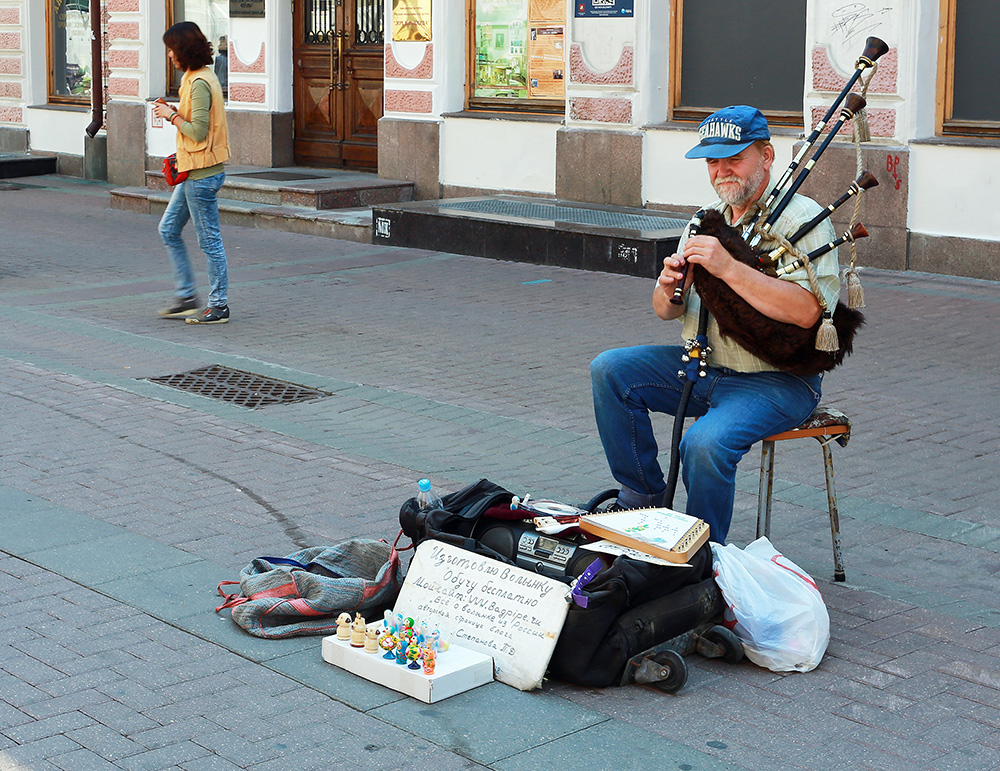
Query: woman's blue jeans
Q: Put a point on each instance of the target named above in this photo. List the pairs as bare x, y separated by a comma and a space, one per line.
197, 200
734, 411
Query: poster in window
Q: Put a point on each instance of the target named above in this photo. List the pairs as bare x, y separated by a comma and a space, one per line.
547, 10
411, 20
622, 9
546, 62
501, 48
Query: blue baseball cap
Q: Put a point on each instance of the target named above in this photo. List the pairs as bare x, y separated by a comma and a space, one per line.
729, 131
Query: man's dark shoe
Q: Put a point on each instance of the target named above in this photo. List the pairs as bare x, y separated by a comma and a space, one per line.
180, 308
210, 316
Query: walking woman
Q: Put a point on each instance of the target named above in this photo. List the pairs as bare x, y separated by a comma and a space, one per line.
202, 149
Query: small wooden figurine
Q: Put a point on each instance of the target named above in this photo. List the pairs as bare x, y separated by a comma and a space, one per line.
344, 626
371, 640
388, 643
429, 657
358, 632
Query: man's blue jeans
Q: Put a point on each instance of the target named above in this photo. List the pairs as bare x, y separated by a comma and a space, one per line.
734, 410
196, 200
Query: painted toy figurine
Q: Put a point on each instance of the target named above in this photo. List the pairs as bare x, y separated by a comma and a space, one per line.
401, 653
413, 656
429, 657
358, 632
388, 643
371, 640
344, 626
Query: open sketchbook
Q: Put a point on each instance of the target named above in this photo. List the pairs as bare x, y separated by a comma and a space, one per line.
664, 533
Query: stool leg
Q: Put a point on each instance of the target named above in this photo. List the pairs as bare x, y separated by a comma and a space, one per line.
764, 489
831, 497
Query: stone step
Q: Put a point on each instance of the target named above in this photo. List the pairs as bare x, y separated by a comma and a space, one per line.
313, 188
26, 165
539, 230
349, 224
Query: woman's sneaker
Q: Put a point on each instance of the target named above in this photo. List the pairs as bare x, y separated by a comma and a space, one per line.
179, 308
210, 316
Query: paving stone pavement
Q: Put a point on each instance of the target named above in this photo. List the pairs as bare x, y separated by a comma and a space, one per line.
123, 503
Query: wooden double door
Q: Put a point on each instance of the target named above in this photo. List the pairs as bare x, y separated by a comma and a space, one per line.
338, 58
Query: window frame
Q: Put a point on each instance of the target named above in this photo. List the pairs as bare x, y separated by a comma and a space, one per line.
686, 114
522, 105
173, 89
947, 124
51, 96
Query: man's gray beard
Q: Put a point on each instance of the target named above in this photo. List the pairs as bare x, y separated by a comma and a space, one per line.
744, 194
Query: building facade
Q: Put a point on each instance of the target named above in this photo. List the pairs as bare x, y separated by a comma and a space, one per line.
585, 100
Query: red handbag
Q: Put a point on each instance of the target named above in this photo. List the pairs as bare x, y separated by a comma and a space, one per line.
170, 172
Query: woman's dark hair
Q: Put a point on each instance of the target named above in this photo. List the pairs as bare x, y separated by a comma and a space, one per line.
191, 48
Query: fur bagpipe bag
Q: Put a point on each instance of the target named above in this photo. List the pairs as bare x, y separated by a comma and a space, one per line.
786, 346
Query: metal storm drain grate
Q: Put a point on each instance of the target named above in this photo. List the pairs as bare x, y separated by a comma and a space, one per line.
581, 216
243, 389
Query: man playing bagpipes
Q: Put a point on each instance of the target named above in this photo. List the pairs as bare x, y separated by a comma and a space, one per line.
737, 394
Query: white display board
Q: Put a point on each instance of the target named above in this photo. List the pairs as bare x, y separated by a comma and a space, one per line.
500, 610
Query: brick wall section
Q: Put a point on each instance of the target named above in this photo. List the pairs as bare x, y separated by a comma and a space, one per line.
11, 64
826, 77
408, 101
123, 86
601, 110
423, 70
246, 92
124, 39
121, 59
620, 74
236, 64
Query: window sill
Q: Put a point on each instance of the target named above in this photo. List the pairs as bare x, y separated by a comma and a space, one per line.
677, 125
514, 115
959, 141
60, 107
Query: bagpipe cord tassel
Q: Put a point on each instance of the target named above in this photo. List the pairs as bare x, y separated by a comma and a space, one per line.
855, 292
862, 131
826, 336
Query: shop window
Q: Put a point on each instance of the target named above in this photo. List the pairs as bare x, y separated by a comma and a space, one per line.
725, 53
517, 55
69, 53
212, 18
968, 99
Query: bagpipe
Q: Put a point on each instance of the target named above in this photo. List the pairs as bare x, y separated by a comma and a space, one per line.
787, 347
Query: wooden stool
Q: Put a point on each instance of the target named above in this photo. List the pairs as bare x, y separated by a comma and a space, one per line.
826, 425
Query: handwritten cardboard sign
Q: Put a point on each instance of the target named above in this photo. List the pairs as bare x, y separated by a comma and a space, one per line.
480, 603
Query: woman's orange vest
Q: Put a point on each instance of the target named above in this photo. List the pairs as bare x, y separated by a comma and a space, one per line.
214, 148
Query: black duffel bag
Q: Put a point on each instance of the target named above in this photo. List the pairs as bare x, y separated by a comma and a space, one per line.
455, 521
631, 607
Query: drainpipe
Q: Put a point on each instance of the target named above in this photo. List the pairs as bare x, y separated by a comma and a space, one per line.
96, 69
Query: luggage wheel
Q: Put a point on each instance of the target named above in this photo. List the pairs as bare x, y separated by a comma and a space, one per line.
665, 670
718, 642
608, 496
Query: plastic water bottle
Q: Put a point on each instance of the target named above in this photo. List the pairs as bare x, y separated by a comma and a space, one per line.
427, 498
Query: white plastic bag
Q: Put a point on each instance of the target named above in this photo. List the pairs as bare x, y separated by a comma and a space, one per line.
774, 608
